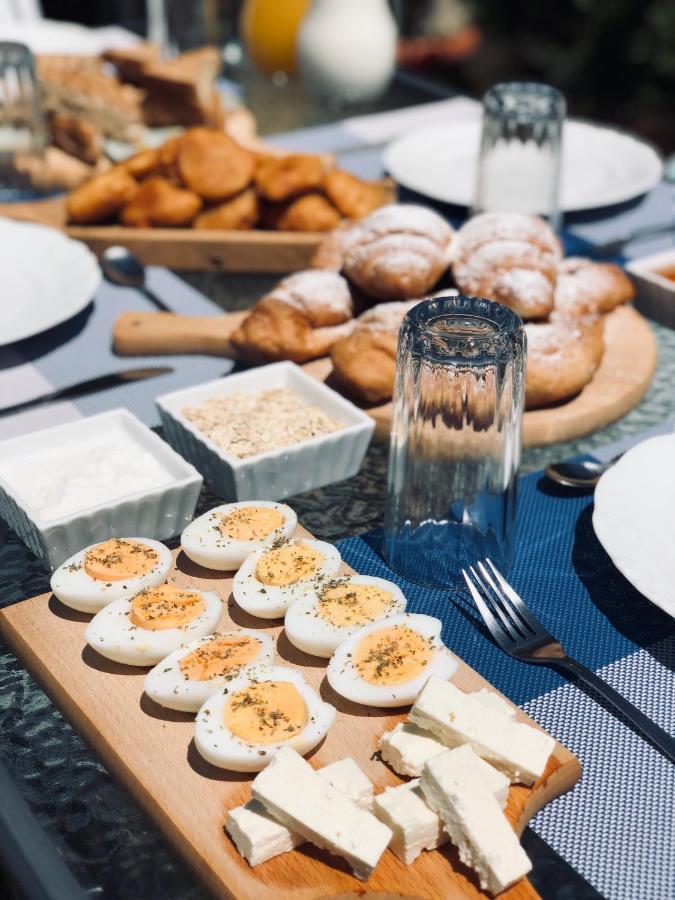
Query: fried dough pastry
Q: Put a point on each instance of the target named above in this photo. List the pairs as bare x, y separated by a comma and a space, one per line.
282, 178
213, 165
354, 198
239, 213
364, 362
300, 319
398, 252
101, 198
331, 249
511, 258
562, 357
585, 287
142, 164
160, 203
309, 213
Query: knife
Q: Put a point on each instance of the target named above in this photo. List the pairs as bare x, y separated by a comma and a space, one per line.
90, 386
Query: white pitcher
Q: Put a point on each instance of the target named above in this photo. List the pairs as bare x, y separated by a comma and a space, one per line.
347, 48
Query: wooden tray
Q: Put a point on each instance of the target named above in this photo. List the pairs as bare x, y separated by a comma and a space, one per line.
620, 382
150, 750
181, 248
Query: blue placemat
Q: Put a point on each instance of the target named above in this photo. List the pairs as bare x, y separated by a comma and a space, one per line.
616, 826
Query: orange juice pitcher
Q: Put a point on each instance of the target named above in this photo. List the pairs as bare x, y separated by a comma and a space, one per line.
269, 29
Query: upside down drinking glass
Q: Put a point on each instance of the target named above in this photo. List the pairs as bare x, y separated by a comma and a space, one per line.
456, 439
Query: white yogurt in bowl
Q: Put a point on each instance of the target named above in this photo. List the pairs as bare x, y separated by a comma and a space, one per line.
66, 487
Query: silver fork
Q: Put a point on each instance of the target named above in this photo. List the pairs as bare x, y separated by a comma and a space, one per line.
520, 634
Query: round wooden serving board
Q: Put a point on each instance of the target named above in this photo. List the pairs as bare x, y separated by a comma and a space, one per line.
620, 382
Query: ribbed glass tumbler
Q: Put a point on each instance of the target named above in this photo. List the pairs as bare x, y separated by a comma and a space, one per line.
456, 439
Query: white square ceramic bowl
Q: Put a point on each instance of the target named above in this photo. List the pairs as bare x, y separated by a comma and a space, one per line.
655, 293
158, 513
276, 474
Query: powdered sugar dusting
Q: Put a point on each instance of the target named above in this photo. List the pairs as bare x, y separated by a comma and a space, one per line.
489, 227
386, 316
312, 288
587, 287
407, 218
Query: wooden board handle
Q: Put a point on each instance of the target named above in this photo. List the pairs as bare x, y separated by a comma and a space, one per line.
149, 333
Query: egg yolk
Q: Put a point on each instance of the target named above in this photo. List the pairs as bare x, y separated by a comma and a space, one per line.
392, 655
266, 713
250, 523
288, 564
165, 607
220, 657
353, 604
117, 559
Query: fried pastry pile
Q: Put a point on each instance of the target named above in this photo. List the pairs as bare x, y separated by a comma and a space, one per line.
205, 179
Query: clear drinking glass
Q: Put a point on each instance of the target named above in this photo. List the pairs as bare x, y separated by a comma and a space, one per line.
22, 128
456, 439
520, 151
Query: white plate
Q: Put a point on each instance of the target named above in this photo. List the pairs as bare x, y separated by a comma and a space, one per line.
45, 279
601, 166
634, 518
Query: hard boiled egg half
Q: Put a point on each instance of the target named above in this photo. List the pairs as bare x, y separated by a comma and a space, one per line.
101, 573
223, 537
142, 630
320, 621
270, 579
243, 725
188, 676
388, 663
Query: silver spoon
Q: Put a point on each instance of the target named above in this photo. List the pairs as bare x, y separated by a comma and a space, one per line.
121, 267
578, 474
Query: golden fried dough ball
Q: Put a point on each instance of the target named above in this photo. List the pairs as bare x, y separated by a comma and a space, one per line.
101, 198
354, 198
142, 164
213, 165
167, 159
309, 213
160, 203
239, 213
279, 179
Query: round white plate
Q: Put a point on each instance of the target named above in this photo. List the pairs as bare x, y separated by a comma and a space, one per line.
634, 518
45, 279
600, 166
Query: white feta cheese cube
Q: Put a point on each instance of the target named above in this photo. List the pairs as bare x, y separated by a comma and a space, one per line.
407, 747
414, 824
258, 836
456, 718
453, 786
295, 794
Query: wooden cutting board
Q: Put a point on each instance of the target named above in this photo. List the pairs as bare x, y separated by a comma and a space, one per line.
620, 382
151, 752
181, 248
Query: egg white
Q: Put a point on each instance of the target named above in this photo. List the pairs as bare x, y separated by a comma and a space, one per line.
307, 630
112, 634
216, 743
346, 681
166, 684
74, 588
206, 545
268, 601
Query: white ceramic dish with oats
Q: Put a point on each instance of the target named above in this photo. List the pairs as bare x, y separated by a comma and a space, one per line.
267, 433
106, 476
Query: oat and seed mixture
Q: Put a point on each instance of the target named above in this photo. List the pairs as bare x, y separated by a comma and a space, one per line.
247, 424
